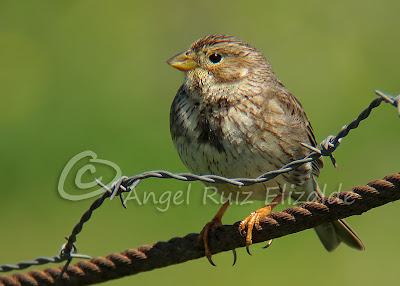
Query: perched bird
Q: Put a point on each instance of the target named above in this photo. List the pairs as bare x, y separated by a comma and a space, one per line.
234, 118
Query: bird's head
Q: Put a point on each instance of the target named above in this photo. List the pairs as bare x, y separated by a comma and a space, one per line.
220, 59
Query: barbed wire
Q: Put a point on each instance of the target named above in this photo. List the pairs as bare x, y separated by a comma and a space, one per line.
44, 260
126, 184
227, 237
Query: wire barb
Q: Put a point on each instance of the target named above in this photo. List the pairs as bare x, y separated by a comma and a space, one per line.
63, 255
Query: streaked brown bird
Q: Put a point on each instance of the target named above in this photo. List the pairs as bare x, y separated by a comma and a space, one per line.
233, 117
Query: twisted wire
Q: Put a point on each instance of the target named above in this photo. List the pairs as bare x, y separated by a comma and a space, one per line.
227, 237
125, 184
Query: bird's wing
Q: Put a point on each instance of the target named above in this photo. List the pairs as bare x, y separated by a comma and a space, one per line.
295, 110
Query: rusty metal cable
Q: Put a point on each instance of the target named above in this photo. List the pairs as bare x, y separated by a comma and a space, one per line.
181, 249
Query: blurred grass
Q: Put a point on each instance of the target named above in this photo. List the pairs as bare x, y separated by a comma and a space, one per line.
91, 75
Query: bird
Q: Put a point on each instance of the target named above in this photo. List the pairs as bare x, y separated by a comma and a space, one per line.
233, 117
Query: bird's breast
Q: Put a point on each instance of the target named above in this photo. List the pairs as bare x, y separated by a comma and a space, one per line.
218, 139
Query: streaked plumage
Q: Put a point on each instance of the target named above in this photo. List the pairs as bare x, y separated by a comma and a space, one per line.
234, 118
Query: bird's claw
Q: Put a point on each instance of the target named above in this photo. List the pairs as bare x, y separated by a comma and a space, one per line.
253, 220
204, 235
269, 242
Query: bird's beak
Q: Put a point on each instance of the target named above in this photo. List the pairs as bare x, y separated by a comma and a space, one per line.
183, 62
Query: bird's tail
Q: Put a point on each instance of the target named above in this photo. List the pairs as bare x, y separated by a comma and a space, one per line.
333, 233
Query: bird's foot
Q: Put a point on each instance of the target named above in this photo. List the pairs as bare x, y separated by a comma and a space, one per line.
209, 227
253, 220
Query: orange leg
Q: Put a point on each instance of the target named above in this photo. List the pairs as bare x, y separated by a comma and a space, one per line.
253, 220
213, 224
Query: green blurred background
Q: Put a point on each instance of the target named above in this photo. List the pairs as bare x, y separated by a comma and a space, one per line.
91, 75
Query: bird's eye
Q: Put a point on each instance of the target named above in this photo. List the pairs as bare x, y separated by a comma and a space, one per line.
215, 58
